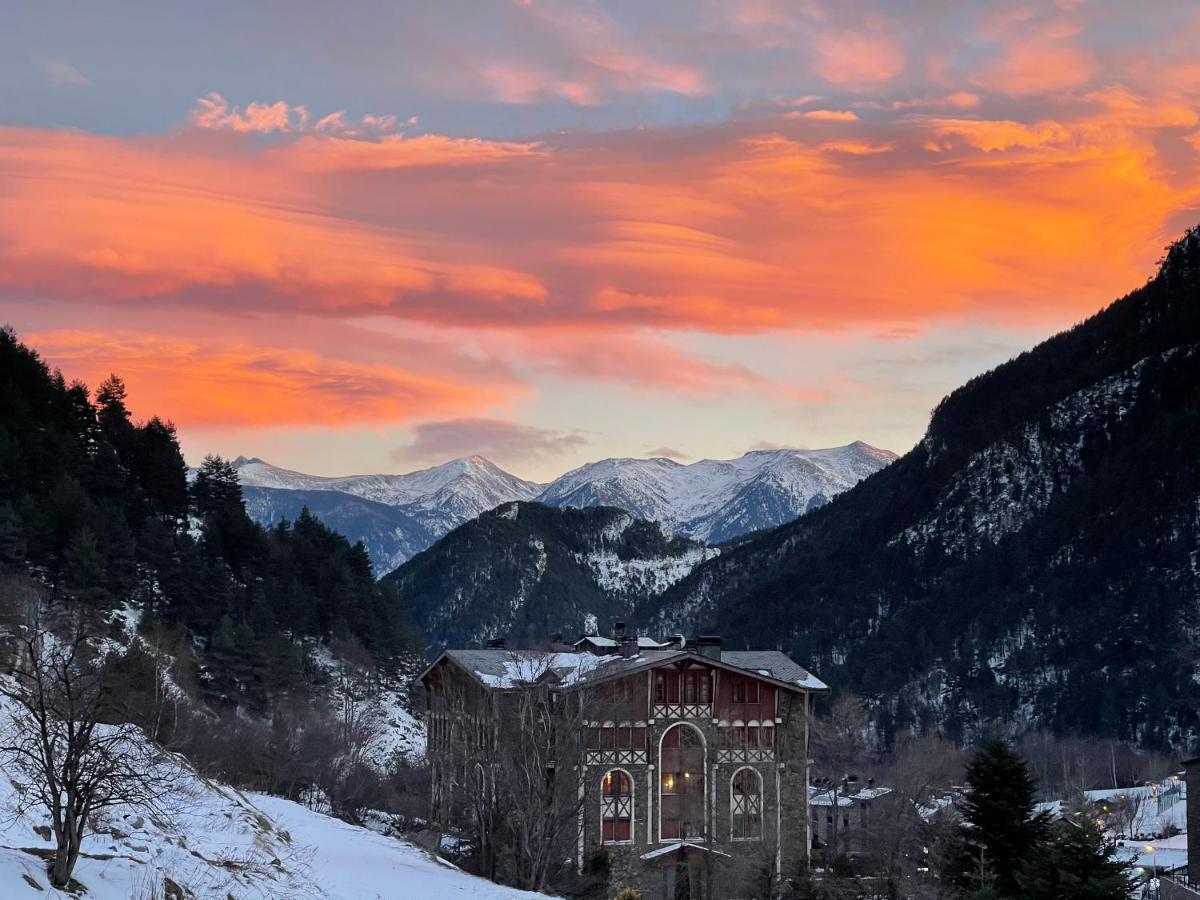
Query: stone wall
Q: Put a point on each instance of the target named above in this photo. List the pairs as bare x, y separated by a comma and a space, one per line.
736, 863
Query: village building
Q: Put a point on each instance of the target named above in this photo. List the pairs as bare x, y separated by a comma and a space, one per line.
841, 814
693, 761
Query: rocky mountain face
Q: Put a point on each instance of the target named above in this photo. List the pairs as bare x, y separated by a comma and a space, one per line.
1033, 561
711, 500
526, 571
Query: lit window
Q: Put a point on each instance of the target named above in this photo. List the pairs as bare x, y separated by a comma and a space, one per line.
682, 783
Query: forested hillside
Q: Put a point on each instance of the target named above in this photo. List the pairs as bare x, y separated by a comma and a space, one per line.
98, 508
525, 571
1032, 561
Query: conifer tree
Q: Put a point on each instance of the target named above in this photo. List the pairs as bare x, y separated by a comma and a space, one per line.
999, 810
1074, 863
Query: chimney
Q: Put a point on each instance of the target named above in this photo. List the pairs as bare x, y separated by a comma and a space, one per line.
709, 645
629, 645
618, 630
498, 643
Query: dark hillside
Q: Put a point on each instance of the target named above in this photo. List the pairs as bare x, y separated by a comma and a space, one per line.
1033, 559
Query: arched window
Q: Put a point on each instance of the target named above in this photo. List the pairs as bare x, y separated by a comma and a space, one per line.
746, 805
616, 807
681, 761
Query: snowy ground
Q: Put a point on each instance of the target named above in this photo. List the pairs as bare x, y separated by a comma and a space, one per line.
222, 843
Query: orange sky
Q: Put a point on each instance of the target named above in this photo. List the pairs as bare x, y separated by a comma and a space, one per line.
262, 268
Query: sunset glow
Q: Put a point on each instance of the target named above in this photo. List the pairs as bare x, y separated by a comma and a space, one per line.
603, 223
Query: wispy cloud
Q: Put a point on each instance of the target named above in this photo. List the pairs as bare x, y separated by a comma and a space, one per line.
61, 72
496, 439
668, 453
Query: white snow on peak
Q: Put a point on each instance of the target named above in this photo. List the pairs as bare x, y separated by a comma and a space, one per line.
475, 481
719, 497
711, 500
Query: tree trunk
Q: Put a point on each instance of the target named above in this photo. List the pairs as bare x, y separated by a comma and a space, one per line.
65, 857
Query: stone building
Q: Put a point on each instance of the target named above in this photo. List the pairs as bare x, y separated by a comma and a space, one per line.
692, 767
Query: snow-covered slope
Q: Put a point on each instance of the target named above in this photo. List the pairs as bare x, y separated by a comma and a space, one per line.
714, 499
224, 843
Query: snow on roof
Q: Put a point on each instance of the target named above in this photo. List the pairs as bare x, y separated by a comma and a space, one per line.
871, 793
934, 806
513, 668
774, 664
502, 668
596, 640
645, 643
827, 797
819, 796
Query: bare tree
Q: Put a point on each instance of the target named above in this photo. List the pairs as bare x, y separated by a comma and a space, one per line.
1122, 813
69, 761
843, 742
538, 775
895, 840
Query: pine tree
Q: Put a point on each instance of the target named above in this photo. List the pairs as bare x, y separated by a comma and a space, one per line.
1074, 863
998, 806
217, 490
86, 569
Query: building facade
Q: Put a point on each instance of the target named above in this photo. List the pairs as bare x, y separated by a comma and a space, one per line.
692, 762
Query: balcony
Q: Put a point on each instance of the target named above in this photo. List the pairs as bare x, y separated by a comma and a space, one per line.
616, 758
671, 711
746, 755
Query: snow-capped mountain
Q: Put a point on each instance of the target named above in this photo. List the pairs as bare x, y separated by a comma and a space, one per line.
714, 499
394, 515
461, 488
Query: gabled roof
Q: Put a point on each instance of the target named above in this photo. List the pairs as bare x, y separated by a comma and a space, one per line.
774, 664
503, 669
644, 643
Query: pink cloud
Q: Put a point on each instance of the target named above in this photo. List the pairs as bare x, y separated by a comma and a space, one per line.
213, 112
1038, 68
856, 58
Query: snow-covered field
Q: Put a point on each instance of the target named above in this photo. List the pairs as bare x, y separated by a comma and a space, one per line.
222, 843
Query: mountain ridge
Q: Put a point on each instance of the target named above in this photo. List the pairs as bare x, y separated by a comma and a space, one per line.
711, 500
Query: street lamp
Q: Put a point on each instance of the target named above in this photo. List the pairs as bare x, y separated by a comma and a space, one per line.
1153, 851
